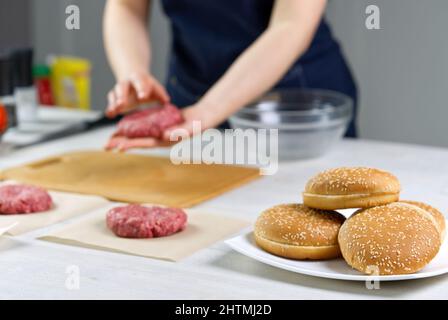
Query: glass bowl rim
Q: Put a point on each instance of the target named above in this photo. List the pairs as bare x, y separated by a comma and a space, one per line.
345, 106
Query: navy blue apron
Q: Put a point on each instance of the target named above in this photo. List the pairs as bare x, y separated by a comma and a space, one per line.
208, 35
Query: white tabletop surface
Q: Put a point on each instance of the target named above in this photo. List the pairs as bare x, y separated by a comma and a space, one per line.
32, 268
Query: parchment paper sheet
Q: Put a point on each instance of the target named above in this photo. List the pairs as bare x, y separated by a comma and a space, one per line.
203, 229
66, 205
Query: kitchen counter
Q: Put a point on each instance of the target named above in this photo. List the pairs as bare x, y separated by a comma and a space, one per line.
32, 268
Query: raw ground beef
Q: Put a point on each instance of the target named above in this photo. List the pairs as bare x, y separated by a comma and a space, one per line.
136, 221
18, 199
150, 122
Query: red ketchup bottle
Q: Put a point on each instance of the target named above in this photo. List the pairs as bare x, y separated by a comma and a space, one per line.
41, 74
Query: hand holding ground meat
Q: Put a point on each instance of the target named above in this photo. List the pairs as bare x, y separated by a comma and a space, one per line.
149, 123
143, 127
132, 91
161, 137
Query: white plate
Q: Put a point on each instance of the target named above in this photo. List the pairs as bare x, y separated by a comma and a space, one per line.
333, 269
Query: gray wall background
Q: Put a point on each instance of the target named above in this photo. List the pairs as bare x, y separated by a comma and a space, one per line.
13, 34
401, 69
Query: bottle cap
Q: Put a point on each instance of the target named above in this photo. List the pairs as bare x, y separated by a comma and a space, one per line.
41, 71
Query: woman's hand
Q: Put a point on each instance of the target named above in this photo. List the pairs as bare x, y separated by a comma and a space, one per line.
193, 115
129, 93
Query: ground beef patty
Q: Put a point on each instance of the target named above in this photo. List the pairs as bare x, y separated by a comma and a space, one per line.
150, 122
18, 199
136, 221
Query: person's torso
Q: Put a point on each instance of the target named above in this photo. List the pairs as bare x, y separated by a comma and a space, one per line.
208, 35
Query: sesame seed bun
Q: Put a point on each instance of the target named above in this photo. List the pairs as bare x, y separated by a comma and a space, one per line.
437, 215
357, 187
396, 238
298, 232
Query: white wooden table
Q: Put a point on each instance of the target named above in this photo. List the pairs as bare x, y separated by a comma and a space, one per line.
31, 268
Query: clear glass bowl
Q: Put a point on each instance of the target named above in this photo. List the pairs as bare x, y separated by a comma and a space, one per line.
309, 121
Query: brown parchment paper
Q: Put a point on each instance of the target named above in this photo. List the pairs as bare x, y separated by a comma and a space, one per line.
133, 178
203, 229
66, 206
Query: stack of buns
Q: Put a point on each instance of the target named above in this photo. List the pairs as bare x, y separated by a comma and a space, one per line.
386, 236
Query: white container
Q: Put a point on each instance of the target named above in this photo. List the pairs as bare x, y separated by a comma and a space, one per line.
26, 102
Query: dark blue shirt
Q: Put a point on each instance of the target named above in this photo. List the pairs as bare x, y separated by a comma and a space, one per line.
208, 35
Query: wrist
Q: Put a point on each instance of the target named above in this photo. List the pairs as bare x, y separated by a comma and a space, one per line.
211, 114
221, 108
